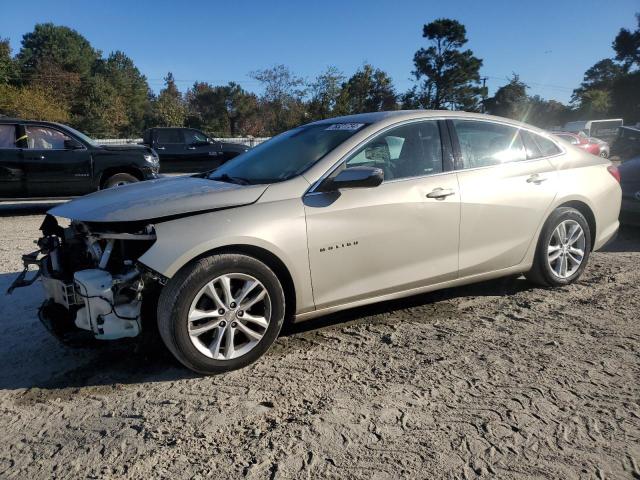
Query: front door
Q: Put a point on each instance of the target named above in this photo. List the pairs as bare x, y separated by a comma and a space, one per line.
506, 187
201, 153
52, 168
400, 235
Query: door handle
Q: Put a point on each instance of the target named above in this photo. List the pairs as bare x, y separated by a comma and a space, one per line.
537, 179
440, 193
191, 148
160, 148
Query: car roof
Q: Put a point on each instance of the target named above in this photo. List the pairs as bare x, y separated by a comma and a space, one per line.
172, 128
391, 117
4, 120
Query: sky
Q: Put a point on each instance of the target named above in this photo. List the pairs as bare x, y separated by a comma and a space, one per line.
549, 44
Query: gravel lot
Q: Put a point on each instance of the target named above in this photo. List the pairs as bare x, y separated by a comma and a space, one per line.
494, 380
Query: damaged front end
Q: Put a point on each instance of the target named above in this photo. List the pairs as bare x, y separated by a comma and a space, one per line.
92, 282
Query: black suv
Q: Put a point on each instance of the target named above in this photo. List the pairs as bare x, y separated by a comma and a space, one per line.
45, 159
187, 150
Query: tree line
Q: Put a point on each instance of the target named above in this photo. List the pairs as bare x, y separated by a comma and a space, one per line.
58, 75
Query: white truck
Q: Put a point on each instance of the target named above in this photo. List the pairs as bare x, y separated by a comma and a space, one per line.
604, 129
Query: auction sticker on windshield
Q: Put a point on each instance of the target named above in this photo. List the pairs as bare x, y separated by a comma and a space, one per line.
345, 126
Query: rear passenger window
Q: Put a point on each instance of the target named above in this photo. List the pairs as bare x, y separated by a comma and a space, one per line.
169, 136
483, 144
7, 136
547, 147
531, 147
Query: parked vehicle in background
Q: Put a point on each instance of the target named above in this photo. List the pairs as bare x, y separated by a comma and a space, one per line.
187, 150
45, 159
627, 144
605, 129
365, 208
605, 149
580, 141
630, 182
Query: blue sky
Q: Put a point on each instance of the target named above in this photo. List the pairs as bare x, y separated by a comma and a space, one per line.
549, 44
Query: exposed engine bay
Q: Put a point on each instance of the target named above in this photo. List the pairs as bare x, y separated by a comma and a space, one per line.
92, 283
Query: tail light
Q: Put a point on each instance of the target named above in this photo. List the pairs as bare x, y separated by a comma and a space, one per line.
615, 173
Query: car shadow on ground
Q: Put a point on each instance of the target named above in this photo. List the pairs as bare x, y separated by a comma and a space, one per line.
31, 358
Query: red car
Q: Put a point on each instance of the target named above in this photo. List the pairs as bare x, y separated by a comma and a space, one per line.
579, 141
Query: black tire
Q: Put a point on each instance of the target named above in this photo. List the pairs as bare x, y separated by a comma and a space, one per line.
119, 179
176, 298
541, 272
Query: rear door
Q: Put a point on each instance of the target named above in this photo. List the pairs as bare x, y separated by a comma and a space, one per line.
53, 169
12, 173
202, 154
170, 146
506, 186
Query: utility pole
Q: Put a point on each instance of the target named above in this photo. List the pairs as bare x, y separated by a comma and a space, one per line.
484, 92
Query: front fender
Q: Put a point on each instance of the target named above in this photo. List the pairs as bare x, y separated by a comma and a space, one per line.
278, 227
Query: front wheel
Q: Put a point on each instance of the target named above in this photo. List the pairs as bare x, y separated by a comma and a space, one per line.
119, 179
563, 249
221, 313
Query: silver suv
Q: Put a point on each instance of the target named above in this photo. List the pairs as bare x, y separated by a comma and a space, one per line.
324, 217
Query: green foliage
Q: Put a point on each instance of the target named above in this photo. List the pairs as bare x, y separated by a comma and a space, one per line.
169, 109
547, 113
8, 66
449, 76
627, 46
223, 110
368, 90
625, 97
282, 103
31, 102
57, 59
510, 100
325, 93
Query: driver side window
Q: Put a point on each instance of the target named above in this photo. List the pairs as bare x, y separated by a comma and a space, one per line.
44, 138
412, 150
193, 137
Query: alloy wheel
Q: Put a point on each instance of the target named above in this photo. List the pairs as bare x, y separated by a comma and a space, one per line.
229, 316
565, 251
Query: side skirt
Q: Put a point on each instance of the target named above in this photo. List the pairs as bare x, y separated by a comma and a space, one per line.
517, 269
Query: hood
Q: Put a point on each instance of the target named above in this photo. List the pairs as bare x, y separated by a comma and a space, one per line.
234, 147
154, 200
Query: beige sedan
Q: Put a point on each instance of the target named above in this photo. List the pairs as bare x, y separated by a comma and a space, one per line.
328, 216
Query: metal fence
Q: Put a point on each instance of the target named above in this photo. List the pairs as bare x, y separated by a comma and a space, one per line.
249, 141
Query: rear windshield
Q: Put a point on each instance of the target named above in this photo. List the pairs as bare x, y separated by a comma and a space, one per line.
287, 155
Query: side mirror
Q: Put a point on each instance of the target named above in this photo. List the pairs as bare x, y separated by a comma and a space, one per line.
354, 177
72, 144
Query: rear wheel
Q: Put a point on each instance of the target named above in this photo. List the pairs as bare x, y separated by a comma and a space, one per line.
563, 249
119, 179
221, 313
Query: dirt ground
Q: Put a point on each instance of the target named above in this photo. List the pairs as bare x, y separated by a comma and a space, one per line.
496, 380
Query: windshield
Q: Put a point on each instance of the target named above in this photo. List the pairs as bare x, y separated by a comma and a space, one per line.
82, 136
287, 155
